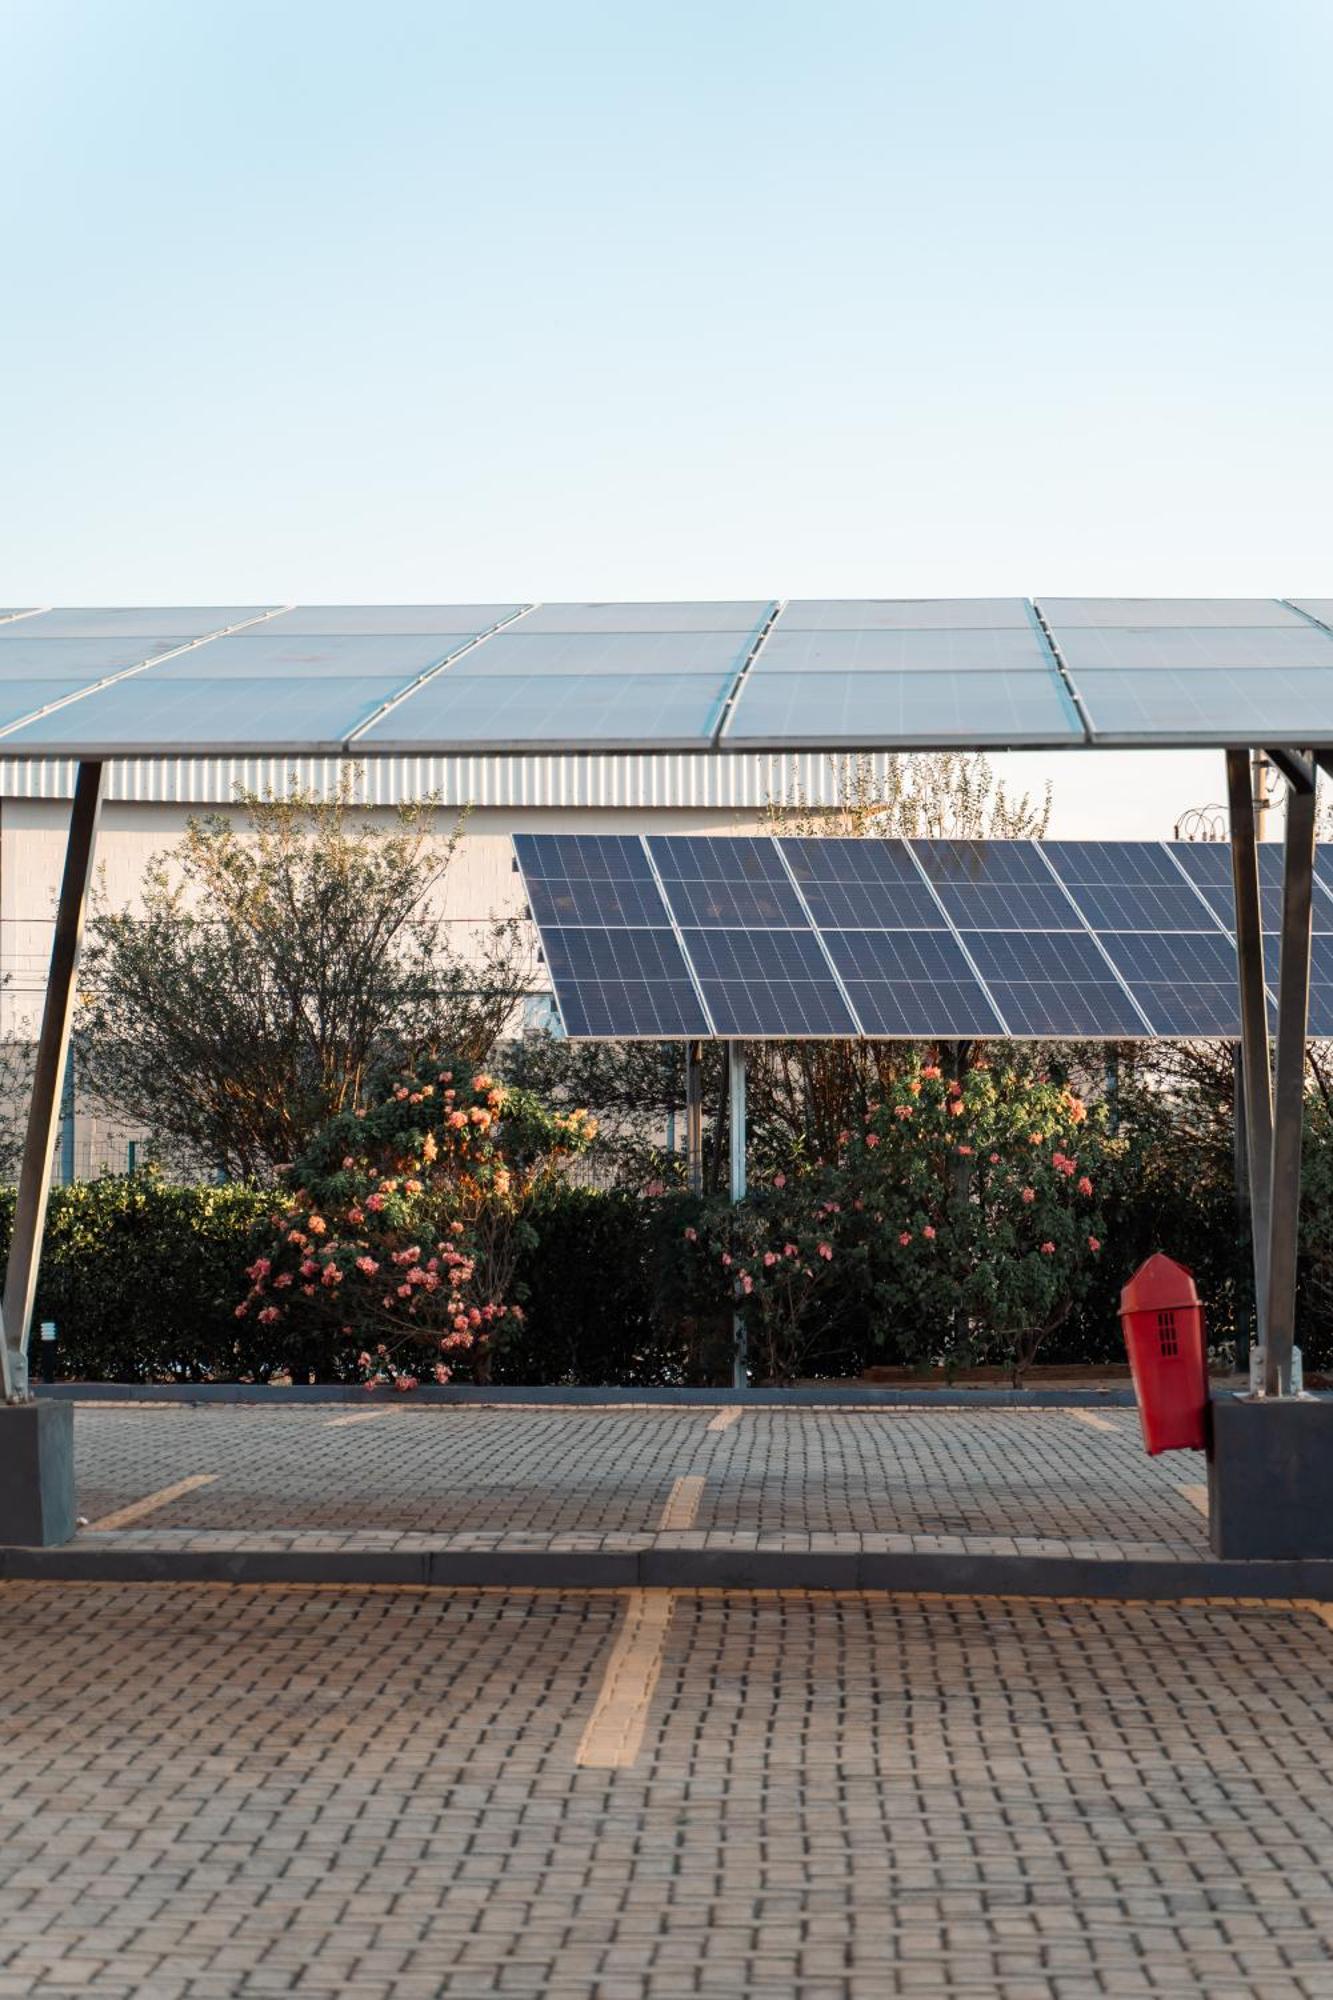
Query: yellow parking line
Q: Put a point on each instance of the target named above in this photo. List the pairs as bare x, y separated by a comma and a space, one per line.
683, 1502
1093, 1421
726, 1417
136, 1510
614, 1734
1197, 1497
360, 1417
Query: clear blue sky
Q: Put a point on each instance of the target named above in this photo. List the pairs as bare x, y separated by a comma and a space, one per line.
324, 300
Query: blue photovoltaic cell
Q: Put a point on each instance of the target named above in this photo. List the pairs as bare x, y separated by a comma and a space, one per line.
767, 983
1185, 985
996, 885
623, 983
896, 614
520, 650
1226, 612
747, 616
734, 884
788, 651
1128, 886
852, 711
20, 698
1180, 648
1209, 864
1052, 984
23, 657
145, 716
554, 711
911, 983
321, 620
1203, 705
862, 885
254, 655
136, 622
589, 880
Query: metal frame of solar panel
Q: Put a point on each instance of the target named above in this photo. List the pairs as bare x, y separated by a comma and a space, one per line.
754, 938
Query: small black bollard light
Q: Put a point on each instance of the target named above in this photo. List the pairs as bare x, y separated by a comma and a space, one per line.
48, 1363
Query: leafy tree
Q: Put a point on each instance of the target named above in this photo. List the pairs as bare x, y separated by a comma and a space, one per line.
918, 795
273, 965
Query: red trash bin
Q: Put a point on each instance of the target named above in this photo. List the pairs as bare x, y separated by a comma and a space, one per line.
1163, 1322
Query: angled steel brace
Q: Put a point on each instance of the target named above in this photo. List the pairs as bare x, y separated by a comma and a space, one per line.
1256, 1060
44, 1105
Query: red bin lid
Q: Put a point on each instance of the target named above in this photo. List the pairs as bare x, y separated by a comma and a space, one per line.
1158, 1284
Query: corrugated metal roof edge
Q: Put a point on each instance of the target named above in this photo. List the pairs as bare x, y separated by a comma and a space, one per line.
658, 780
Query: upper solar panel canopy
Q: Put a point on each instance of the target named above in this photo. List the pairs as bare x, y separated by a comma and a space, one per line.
747, 676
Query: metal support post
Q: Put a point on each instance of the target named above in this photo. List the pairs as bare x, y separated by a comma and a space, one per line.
1256, 1062
44, 1106
740, 1374
1293, 1010
694, 1116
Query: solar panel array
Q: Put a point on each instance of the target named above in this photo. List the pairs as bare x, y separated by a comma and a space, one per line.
748, 676
681, 935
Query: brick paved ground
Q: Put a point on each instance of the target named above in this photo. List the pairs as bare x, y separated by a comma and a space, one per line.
984, 1481
217, 1792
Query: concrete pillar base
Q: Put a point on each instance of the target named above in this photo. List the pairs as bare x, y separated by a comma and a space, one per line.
36, 1474
1270, 1478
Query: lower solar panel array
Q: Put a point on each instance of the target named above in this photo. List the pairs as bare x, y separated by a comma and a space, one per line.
687, 936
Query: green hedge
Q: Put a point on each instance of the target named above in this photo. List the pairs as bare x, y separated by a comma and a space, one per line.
142, 1278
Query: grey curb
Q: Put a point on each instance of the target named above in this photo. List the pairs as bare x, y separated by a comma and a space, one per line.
681, 1569
848, 1395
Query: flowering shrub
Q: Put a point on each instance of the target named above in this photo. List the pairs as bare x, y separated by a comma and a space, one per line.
407, 1220
779, 1257
982, 1198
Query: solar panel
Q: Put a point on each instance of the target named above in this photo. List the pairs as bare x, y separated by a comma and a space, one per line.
554, 711
895, 614
1182, 648
323, 620
1186, 985
522, 651
1057, 985
1209, 864
1161, 611
596, 880
771, 983
24, 698
863, 885
247, 655
746, 616
838, 711
1006, 650
727, 883
1316, 607
1202, 705
1154, 958
911, 983
1128, 886
142, 621
143, 717
631, 982
996, 885
86, 660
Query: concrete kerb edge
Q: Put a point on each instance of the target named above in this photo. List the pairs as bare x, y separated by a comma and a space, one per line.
682, 1569
847, 1396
